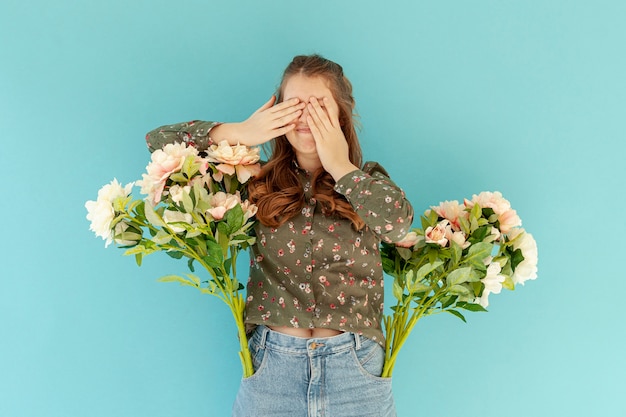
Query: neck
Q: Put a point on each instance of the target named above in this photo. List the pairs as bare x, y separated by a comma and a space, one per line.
310, 164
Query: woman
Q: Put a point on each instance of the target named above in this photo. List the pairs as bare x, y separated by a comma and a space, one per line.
315, 293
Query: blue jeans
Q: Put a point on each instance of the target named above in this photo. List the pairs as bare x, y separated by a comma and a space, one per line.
336, 376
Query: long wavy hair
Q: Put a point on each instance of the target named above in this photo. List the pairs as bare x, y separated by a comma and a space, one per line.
277, 191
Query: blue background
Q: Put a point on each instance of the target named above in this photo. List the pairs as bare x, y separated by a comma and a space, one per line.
456, 97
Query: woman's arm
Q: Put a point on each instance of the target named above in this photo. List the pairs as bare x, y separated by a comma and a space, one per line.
378, 201
194, 133
265, 124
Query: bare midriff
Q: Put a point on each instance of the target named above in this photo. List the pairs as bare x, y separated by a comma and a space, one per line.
305, 333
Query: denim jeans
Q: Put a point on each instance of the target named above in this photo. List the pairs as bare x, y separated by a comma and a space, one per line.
336, 376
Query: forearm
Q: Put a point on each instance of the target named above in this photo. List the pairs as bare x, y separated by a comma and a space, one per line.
194, 133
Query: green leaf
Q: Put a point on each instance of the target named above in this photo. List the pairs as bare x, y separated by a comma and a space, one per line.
214, 257
138, 258
455, 252
179, 279
447, 301
508, 283
458, 276
470, 306
459, 289
162, 237
187, 202
234, 218
427, 269
516, 258
152, 217
405, 253
175, 254
397, 290
456, 313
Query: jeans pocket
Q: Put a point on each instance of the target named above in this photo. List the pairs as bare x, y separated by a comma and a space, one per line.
258, 355
370, 358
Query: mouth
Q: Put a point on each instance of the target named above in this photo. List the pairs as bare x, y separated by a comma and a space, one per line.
303, 129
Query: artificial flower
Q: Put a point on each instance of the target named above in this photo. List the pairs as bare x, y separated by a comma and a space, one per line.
527, 269
233, 159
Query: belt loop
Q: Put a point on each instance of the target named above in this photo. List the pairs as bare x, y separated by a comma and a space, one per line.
357, 341
264, 332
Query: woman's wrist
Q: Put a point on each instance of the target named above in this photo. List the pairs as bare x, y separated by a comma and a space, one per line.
229, 132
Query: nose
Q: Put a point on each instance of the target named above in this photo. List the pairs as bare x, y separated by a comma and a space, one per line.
304, 115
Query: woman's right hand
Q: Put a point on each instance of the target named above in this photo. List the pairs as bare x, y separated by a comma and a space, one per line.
265, 124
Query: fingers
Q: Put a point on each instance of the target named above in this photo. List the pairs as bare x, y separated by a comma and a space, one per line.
319, 115
267, 104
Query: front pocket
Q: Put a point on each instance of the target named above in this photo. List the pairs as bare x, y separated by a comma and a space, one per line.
370, 359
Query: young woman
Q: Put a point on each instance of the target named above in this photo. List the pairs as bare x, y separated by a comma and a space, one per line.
315, 292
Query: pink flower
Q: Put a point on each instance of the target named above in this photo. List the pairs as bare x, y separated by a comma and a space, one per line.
409, 240
507, 217
233, 159
221, 202
440, 234
164, 163
451, 210
460, 239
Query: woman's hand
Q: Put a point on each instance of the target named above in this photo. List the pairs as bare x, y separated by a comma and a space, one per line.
268, 122
331, 144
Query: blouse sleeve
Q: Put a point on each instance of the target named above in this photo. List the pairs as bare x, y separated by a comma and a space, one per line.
194, 133
378, 201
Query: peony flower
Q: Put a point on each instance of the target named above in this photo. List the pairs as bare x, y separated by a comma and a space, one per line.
409, 240
507, 217
101, 212
172, 216
460, 239
249, 210
492, 282
221, 202
176, 192
164, 163
440, 234
451, 210
232, 159
527, 269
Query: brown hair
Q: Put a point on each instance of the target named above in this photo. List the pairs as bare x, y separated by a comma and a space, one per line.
277, 191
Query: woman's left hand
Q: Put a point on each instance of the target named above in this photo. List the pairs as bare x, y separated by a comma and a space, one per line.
331, 144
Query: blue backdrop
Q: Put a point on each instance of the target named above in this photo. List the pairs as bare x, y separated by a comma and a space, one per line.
456, 97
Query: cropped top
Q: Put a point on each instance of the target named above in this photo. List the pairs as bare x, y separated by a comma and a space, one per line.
317, 271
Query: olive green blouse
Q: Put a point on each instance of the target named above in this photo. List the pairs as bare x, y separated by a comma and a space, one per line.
317, 271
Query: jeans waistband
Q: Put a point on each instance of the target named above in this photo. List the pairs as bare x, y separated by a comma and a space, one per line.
267, 338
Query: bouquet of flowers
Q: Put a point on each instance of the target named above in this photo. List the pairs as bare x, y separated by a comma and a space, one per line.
460, 255
194, 209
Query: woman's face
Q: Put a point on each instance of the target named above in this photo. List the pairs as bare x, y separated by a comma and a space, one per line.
301, 139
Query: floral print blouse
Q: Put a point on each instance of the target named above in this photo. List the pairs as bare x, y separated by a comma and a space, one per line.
316, 271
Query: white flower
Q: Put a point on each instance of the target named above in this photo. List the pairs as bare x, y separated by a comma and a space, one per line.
101, 212
527, 269
176, 192
492, 282
172, 216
